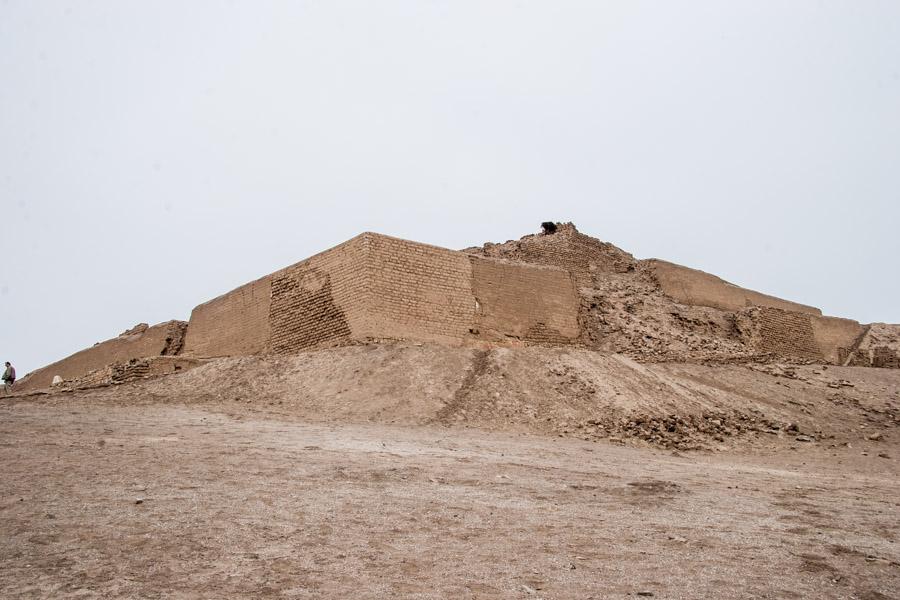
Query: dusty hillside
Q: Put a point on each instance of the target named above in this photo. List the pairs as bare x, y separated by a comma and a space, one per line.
107, 499
429, 472
568, 392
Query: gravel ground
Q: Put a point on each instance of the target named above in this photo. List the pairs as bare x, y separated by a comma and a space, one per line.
164, 500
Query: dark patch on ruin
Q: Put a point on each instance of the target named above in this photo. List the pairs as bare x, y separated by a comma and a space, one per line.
480, 365
548, 227
174, 339
541, 335
303, 313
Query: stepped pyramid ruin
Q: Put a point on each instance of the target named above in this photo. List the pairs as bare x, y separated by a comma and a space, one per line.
557, 288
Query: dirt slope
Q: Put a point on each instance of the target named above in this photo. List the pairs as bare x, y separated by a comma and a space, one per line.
568, 392
428, 472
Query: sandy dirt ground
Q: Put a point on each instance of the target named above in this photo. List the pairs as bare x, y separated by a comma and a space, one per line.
549, 391
164, 499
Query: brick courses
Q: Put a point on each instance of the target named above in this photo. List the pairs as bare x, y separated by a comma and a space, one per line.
879, 346
780, 332
135, 368
533, 304
379, 287
321, 300
233, 324
419, 291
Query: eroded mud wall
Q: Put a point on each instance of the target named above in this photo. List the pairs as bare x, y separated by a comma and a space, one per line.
379, 287
568, 249
321, 301
140, 342
533, 304
835, 337
878, 347
690, 286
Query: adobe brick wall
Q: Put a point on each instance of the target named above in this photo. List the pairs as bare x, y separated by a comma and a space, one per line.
419, 291
379, 287
693, 287
233, 324
135, 368
780, 332
535, 304
140, 342
322, 300
317, 301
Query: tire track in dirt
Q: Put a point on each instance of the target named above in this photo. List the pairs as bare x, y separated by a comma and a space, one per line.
455, 407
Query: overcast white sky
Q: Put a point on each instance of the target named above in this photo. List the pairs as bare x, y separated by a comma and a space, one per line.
154, 155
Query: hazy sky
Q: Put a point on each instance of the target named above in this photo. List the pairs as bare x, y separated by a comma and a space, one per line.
154, 155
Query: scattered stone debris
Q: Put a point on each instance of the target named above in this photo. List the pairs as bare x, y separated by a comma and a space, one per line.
122, 372
682, 432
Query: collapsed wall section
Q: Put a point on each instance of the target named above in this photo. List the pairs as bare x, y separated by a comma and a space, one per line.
879, 346
566, 248
767, 324
836, 337
133, 369
139, 342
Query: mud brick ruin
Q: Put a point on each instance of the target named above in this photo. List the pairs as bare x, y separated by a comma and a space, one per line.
557, 288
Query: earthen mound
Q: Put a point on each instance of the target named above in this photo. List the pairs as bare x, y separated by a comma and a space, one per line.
559, 392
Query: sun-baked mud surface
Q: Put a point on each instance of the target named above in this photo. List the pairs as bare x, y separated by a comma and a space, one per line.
160, 500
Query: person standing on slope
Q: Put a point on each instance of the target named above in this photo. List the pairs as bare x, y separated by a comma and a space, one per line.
9, 377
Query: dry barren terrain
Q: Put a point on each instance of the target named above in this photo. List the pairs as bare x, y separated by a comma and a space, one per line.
426, 472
